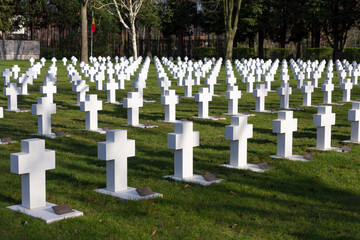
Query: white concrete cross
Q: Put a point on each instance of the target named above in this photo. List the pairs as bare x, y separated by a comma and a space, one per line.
48, 90
300, 79
121, 77
354, 117
31, 163
284, 91
355, 74
183, 140
115, 152
64, 60
31, 60
80, 87
233, 95
15, 70
43, 61
284, 126
133, 102
342, 76
164, 83
268, 78
188, 83
12, 91
238, 133
43, 109
197, 75
323, 120
53, 60
99, 78
92, 73
203, 97
284, 77
346, 86
24, 80
260, 93
230, 79
250, 79
139, 87
170, 99
327, 88
111, 86
307, 89
315, 78
180, 77
91, 106
6, 74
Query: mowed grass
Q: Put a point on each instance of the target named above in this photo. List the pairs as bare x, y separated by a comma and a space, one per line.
294, 200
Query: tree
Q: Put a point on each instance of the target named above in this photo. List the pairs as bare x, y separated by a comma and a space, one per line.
127, 8
339, 17
84, 31
231, 17
34, 14
7, 10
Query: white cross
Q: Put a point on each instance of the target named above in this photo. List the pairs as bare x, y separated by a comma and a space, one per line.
24, 80
50, 78
300, 79
323, 120
346, 86
180, 77
164, 83
92, 73
31, 163
284, 91
355, 75
197, 75
329, 75
133, 102
111, 86
203, 98
268, 78
250, 79
260, 93
258, 72
48, 90
327, 88
230, 79
233, 95
188, 83
31, 60
99, 78
91, 106
6, 74
284, 126
64, 60
139, 87
170, 99
354, 117
342, 75
315, 78
80, 88
115, 152
43, 61
238, 133
183, 140
121, 77
210, 82
12, 91
43, 109
284, 77
307, 89
15, 70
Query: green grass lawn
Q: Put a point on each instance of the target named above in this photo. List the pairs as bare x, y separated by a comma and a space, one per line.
294, 200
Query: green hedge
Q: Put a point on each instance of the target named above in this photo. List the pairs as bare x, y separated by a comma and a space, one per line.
318, 53
202, 52
246, 53
277, 53
352, 54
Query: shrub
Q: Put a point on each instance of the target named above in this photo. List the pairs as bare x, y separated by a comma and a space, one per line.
318, 54
202, 52
239, 53
352, 54
277, 53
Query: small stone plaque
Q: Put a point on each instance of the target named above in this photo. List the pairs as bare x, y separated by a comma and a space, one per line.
60, 134
6, 140
308, 156
246, 113
298, 108
209, 177
22, 109
217, 116
345, 148
60, 107
147, 124
184, 120
62, 209
145, 191
263, 166
148, 99
273, 110
106, 128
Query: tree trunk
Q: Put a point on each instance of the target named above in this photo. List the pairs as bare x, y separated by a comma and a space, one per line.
261, 44
148, 42
180, 43
251, 40
133, 39
3, 35
229, 44
122, 44
298, 50
84, 34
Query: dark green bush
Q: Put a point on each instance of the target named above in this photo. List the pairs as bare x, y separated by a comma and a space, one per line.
202, 52
352, 54
277, 53
239, 53
318, 53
